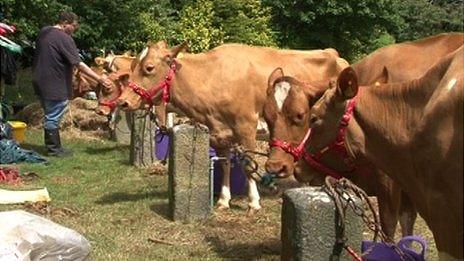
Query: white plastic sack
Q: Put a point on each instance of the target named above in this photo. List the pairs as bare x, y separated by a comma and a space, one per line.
24, 236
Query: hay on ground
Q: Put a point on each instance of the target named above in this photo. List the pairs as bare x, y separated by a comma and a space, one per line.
80, 119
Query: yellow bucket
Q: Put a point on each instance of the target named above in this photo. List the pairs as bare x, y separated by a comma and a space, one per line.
19, 130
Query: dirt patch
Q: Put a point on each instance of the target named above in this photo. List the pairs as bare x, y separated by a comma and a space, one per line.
80, 120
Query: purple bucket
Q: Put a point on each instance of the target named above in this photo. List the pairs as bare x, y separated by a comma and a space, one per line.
237, 176
162, 145
379, 251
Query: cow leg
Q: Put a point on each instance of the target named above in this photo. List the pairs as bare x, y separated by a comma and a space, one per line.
224, 197
408, 215
389, 200
253, 196
447, 235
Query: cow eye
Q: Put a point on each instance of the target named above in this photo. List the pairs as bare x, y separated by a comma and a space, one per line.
313, 120
298, 118
149, 67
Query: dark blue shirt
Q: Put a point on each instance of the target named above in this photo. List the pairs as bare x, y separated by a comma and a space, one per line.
55, 56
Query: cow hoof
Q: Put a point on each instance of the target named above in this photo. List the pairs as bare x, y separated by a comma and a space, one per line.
252, 211
222, 204
222, 207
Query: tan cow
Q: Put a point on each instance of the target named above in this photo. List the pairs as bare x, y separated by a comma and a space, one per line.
225, 89
394, 63
412, 131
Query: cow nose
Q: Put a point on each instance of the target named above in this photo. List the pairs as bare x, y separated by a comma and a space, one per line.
99, 111
123, 104
278, 167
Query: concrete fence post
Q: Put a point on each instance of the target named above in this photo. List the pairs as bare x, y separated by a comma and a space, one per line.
142, 152
121, 127
309, 226
189, 178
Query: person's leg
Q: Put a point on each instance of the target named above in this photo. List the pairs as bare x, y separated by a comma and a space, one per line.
53, 113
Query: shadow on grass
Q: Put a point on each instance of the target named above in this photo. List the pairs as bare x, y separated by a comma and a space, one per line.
125, 197
246, 251
93, 151
37, 148
162, 209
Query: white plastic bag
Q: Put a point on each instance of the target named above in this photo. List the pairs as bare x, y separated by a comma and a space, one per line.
25, 236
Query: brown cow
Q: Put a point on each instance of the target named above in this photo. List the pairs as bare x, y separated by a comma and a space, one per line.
225, 89
406, 61
112, 63
413, 131
107, 97
83, 83
385, 64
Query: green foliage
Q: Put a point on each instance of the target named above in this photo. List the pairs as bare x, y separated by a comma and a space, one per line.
348, 26
424, 18
119, 24
354, 28
207, 23
245, 21
196, 26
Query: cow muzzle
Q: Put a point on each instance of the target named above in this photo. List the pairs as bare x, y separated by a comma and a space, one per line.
281, 169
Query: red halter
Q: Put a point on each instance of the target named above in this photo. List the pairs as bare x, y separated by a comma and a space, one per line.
164, 85
338, 147
112, 104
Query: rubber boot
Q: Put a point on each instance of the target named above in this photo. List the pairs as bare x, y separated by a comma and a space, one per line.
53, 144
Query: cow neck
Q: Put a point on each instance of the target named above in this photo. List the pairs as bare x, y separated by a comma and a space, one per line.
164, 86
390, 115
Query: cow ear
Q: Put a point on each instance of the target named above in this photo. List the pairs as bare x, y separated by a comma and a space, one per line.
123, 77
315, 89
177, 49
383, 78
347, 84
162, 45
276, 74
99, 61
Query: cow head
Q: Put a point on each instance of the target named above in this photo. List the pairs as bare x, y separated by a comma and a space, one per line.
113, 63
108, 96
149, 69
287, 111
83, 83
326, 115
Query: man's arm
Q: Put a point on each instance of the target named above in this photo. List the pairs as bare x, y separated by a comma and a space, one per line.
100, 79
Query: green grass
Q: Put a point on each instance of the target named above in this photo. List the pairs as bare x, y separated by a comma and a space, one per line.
22, 91
120, 208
